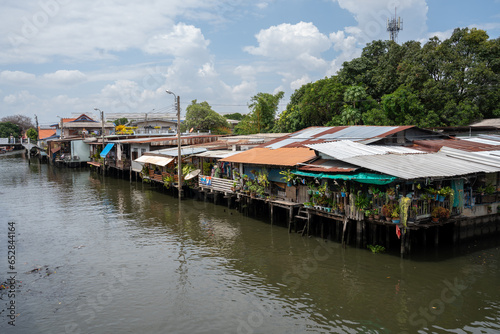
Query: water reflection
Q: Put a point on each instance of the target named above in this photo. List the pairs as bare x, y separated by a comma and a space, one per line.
195, 267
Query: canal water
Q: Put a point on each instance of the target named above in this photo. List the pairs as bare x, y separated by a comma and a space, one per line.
96, 255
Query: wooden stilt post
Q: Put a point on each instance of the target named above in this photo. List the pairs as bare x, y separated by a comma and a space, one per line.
359, 233
343, 230
272, 213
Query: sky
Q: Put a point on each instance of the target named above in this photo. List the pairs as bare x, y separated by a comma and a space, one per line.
67, 57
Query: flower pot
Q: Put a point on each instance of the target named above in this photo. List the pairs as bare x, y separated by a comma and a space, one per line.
342, 194
435, 219
376, 217
396, 221
388, 219
441, 198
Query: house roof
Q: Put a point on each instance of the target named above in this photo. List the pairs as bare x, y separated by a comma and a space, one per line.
276, 157
347, 149
173, 152
46, 133
327, 166
494, 122
418, 166
316, 135
459, 144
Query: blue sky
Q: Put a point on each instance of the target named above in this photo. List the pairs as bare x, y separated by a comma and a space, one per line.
65, 57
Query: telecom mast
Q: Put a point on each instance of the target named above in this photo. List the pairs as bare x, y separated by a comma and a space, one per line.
394, 25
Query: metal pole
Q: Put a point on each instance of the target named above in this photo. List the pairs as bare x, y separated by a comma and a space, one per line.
102, 138
179, 157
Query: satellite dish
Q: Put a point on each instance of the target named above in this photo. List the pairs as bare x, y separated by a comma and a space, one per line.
192, 174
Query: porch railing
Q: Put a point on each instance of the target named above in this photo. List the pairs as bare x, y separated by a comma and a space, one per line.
216, 183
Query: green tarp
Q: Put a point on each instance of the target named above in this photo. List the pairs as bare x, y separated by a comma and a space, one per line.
371, 178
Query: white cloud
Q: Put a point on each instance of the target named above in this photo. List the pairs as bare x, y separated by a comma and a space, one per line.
287, 41
65, 77
262, 5
372, 16
183, 41
17, 77
76, 30
296, 84
23, 97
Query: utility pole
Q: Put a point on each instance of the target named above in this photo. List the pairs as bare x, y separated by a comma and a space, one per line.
102, 138
177, 99
37, 131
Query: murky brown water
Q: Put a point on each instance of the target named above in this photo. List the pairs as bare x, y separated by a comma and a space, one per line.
118, 257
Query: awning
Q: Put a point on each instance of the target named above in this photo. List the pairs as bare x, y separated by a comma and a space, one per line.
155, 160
370, 178
107, 149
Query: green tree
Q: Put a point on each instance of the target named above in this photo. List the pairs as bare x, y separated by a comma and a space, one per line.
121, 121
7, 129
200, 116
23, 122
234, 116
313, 104
263, 108
32, 134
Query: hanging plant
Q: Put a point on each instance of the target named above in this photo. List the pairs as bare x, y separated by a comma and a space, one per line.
404, 204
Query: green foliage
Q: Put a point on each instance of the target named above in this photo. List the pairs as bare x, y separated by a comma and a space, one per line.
234, 116
23, 122
7, 129
376, 249
32, 134
121, 121
200, 116
263, 108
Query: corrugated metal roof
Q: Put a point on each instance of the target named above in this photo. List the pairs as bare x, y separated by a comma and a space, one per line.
490, 158
285, 142
358, 132
314, 135
277, 157
217, 154
416, 166
348, 149
155, 160
459, 144
172, 152
327, 166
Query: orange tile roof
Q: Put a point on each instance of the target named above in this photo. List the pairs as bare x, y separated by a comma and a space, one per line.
277, 157
45, 133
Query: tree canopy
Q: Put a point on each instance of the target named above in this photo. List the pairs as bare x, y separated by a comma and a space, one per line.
453, 82
200, 116
234, 116
7, 129
263, 108
24, 122
32, 134
121, 121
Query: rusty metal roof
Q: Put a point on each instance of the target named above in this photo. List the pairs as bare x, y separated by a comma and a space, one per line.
276, 157
459, 144
327, 166
317, 135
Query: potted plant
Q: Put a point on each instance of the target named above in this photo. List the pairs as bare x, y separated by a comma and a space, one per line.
376, 213
390, 193
288, 176
440, 213
343, 190
307, 204
387, 211
395, 215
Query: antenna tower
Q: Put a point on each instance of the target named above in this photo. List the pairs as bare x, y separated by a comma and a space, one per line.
394, 25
